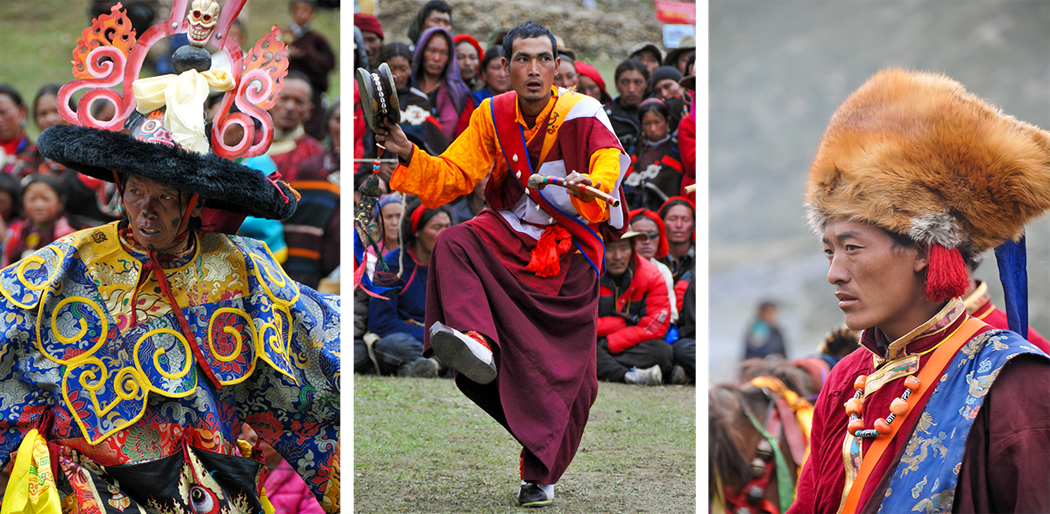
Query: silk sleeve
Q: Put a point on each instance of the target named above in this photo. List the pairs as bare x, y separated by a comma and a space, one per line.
443, 178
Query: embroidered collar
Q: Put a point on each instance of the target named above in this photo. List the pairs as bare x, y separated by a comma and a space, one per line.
979, 302
168, 261
919, 340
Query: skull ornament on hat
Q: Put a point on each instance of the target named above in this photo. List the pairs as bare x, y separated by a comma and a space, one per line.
164, 135
204, 15
914, 153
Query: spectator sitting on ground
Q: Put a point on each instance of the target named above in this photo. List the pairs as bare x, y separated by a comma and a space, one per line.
390, 208
310, 54
372, 33
468, 55
398, 319
566, 76
632, 81
417, 113
435, 72
656, 165
43, 200
649, 54
435, 13
591, 83
651, 243
679, 215
494, 74
291, 144
15, 147
633, 316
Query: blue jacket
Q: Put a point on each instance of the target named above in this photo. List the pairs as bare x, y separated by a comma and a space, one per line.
408, 302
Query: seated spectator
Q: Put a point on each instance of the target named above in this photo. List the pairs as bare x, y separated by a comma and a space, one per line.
664, 83
435, 13
633, 316
679, 217
390, 210
418, 119
468, 206
656, 167
291, 144
591, 83
43, 201
763, 335
649, 54
494, 74
468, 55
678, 57
372, 33
309, 54
687, 140
398, 319
16, 150
435, 72
651, 243
565, 76
632, 81
684, 349
312, 232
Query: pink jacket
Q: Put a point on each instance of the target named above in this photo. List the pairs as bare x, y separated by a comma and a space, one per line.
288, 493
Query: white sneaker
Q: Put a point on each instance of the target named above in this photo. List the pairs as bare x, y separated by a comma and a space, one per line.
649, 376
462, 353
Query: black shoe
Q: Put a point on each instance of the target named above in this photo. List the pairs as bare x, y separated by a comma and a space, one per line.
531, 496
678, 376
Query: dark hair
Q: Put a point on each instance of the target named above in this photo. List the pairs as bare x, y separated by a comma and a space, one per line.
493, 53
416, 29
902, 241
395, 49
408, 236
47, 89
298, 75
767, 304
48, 180
527, 30
16, 97
629, 65
658, 107
9, 184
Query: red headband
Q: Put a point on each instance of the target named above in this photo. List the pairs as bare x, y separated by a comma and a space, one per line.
416, 214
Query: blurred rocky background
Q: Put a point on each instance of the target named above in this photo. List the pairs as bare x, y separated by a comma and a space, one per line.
778, 70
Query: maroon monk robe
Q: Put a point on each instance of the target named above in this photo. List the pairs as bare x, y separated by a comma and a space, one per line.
1015, 461
544, 340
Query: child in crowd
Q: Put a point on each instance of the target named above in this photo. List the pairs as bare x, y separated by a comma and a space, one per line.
656, 165
43, 201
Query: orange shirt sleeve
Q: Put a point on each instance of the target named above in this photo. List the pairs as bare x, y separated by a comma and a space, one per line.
604, 169
441, 179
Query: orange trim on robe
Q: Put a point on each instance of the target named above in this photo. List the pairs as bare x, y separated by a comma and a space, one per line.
441, 179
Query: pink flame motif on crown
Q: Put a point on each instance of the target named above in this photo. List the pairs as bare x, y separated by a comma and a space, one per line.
108, 55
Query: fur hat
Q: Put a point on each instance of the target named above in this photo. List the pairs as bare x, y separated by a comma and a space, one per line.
914, 153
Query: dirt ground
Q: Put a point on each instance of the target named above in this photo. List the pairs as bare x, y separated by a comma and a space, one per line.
421, 446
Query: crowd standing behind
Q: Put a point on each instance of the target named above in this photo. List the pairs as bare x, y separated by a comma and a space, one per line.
42, 201
440, 78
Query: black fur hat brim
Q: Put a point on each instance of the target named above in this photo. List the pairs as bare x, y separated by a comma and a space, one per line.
223, 183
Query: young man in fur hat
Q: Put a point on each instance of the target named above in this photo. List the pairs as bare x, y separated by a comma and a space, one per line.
513, 296
132, 354
936, 410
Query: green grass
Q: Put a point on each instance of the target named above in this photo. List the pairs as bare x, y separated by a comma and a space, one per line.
38, 37
421, 446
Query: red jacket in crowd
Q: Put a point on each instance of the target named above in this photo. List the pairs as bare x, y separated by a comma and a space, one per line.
644, 299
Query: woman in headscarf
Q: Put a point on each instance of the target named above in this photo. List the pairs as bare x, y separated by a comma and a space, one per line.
435, 72
418, 116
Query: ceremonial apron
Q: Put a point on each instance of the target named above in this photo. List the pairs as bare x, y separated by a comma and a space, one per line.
928, 471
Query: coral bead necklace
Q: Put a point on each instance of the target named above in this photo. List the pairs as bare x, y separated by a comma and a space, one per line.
898, 407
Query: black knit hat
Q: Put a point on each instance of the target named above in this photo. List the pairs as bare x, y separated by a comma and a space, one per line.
164, 138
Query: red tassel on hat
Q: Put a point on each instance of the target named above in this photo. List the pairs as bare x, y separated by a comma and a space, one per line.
545, 258
945, 274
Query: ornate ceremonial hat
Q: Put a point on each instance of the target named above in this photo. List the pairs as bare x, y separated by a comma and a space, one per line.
158, 131
916, 154
378, 95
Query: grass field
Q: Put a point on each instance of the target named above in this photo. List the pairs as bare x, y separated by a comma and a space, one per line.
38, 39
421, 446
